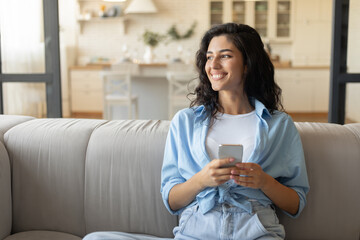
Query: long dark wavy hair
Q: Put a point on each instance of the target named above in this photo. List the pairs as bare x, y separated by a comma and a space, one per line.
259, 80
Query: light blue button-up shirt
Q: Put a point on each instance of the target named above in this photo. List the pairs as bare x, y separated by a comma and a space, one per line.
278, 150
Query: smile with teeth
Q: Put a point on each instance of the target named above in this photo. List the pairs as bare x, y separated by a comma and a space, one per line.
218, 76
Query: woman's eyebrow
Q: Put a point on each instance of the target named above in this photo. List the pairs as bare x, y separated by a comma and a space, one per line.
222, 50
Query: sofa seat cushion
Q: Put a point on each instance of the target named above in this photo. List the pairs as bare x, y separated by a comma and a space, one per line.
42, 235
122, 236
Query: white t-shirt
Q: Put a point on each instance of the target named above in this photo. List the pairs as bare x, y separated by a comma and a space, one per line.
232, 129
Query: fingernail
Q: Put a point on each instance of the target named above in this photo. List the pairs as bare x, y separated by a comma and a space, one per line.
231, 159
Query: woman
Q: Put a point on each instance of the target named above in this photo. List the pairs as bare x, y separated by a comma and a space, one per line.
237, 102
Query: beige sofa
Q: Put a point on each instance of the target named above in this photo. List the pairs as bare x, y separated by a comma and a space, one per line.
64, 178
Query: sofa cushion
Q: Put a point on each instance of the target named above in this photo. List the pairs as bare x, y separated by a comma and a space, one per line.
332, 158
48, 159
123, 170
42, 235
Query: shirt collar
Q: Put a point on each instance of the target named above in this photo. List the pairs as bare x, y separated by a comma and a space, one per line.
260, 109
199, 112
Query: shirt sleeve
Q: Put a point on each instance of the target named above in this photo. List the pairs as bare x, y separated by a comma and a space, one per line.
296, 174
170, 175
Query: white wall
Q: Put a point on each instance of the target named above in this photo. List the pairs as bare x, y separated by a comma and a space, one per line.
353, 89
106, 39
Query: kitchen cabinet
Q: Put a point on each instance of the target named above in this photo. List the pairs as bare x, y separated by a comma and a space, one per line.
86, 90
216, 12
283, 19
271, 18
312, 33
304, 90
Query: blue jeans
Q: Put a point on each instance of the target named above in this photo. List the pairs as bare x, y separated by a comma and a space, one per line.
223, 222
226, 222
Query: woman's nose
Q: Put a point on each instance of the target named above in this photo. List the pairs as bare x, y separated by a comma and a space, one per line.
215, 63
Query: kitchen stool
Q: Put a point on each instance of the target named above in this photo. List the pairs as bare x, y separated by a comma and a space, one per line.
117, 91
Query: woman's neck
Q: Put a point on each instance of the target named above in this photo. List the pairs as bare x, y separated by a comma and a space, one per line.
235, 104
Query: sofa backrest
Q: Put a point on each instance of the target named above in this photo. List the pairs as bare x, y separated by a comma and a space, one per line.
332, 154
122, 173
79, 176
48, 176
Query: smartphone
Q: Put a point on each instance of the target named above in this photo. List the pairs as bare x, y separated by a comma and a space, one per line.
231, 150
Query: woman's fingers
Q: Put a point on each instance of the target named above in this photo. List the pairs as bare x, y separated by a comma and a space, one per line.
222, 179
247, 169
218, 163
216, 175
248, 175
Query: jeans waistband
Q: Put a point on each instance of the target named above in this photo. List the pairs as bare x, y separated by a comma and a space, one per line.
227, 207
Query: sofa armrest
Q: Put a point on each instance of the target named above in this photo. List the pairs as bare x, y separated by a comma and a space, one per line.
9, 121
5, 193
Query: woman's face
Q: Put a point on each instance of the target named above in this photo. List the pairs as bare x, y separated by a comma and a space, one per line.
225, 65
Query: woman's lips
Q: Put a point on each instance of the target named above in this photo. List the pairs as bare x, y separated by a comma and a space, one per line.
218, 76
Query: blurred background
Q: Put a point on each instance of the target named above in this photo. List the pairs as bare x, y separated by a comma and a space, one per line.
117, 58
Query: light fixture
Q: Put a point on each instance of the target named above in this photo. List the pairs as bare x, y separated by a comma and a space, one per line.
141, 6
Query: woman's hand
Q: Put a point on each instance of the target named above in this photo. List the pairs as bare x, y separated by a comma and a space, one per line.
250, 175
213, 175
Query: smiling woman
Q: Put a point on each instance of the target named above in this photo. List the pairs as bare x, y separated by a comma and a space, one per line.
225, 69
255, 68
237, 102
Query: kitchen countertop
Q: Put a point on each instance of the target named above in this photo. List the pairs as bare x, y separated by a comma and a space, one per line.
107, 66
303, 67
89, 67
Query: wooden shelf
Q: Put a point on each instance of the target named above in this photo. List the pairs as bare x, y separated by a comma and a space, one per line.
122, 20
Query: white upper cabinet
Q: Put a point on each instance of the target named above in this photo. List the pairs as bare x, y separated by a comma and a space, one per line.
283, 19
261, 18
216, 12
271, 18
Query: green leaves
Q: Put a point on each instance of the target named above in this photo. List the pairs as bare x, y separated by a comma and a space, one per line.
174, 35
153, 38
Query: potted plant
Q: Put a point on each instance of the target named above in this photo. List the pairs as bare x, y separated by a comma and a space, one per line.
151, 40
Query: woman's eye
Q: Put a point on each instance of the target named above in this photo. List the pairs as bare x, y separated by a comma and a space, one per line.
225, 56
209, 57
